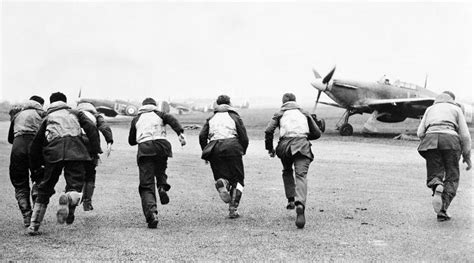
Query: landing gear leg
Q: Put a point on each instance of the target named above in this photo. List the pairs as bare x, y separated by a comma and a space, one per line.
345, 129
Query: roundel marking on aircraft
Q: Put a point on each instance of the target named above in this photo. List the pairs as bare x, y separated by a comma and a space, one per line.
131, 110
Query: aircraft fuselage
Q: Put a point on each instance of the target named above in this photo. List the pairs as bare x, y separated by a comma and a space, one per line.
357, 94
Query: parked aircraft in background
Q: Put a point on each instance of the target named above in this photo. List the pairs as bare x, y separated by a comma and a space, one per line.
386, 101
181, 107
112, 108
189, 107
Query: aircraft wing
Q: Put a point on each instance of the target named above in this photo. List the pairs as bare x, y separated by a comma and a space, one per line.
182, 108
106, 111
407, 107
394, 102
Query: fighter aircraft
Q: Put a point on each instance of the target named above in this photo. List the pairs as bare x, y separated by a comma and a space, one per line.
112, 108
387, 102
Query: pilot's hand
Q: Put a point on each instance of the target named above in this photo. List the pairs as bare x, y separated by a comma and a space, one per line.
109, 150
468, 162
271, 153
182, 139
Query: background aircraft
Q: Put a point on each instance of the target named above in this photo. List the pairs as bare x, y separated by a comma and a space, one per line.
387, 102
181, 107
112, 108
188, 107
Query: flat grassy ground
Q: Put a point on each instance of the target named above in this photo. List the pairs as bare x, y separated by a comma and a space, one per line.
367, 201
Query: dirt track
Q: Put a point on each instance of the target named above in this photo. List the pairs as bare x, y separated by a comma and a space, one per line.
367, 201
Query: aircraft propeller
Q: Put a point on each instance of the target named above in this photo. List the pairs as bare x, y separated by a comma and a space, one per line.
328, 77
319, 87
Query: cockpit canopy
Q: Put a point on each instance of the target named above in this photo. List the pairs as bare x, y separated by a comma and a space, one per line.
397, 83
405, 85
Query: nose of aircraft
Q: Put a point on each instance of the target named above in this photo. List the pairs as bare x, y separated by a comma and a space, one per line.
318, 84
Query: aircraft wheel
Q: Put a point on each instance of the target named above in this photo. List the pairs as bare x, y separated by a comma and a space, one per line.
321, 125
131, 110
346, 129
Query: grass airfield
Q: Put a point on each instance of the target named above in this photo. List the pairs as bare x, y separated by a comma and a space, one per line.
367, 201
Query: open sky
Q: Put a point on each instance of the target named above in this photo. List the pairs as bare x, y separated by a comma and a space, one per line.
177, 50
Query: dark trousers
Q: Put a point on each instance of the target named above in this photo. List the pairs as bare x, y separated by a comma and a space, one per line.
74, 172
90, 170
296, 186
151, 167
229, 168
443, 168
20, 171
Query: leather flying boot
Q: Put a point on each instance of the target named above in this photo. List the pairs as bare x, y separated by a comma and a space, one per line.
27, 218
25, 207
164, 198
74, 200
437, 200
88, 191
153, 221
442, 216
37, 217
291, 203
235, 200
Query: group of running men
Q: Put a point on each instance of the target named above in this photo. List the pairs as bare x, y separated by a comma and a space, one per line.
65, 140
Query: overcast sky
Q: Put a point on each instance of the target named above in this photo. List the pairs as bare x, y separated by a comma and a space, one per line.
132, 50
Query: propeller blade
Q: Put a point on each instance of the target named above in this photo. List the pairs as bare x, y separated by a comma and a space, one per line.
426, 80
328, 77
316, 74
316, 102
80, 91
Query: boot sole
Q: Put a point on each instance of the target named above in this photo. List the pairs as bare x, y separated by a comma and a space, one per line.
437, 201
87, 207
234, 216
63, 210
32, 231
443, 218
300, 219
223, 193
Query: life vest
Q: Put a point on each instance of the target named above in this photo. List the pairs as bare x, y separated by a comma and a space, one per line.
61, 123
222, 126
293, 123
149, 126
28, 120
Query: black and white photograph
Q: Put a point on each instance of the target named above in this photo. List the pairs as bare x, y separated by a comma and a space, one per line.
236, 131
